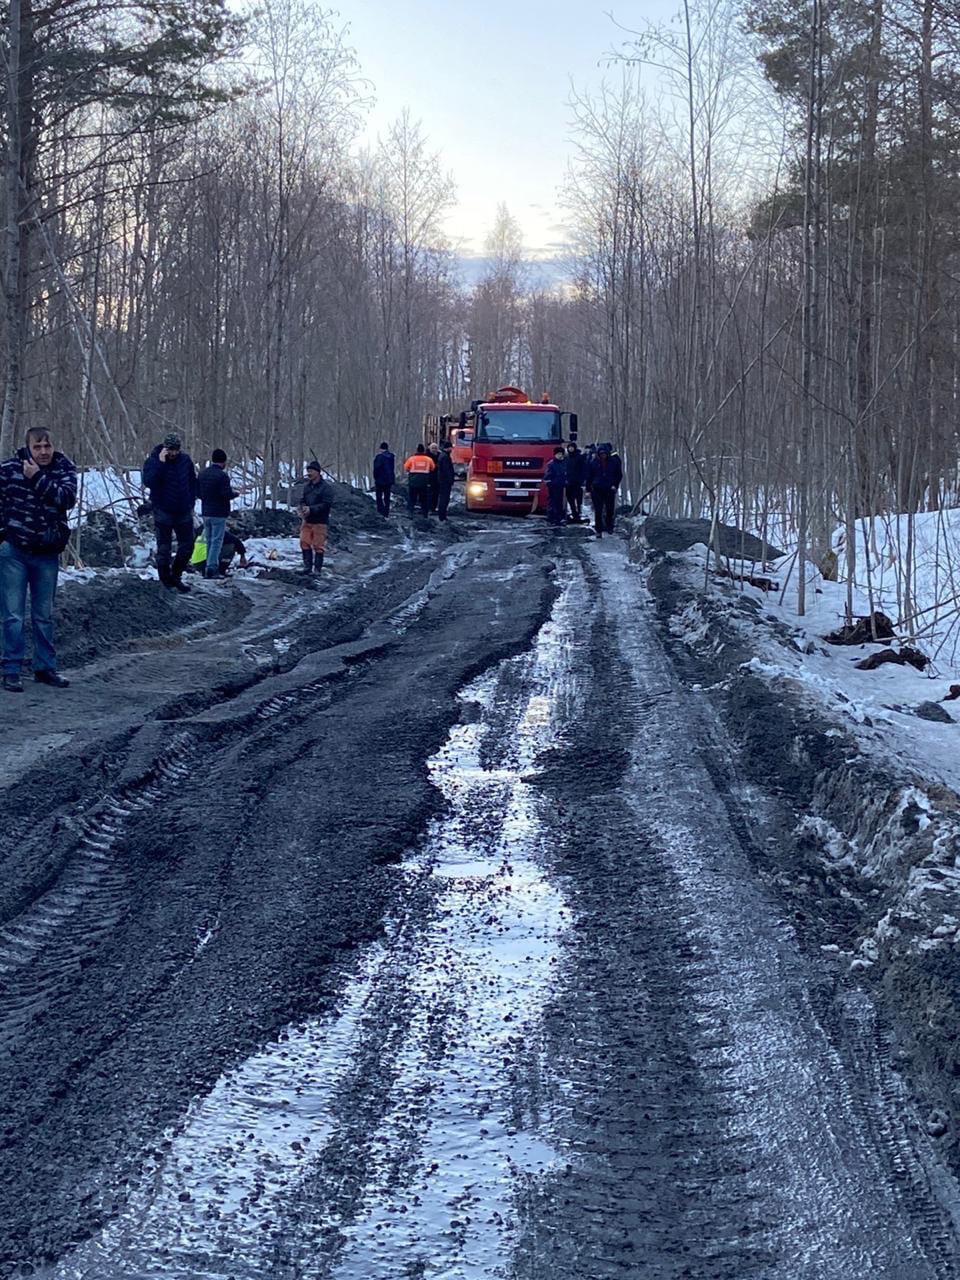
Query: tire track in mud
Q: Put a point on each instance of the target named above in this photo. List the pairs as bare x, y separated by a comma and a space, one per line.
793, 1157
47, 940
233, 927
326, 1140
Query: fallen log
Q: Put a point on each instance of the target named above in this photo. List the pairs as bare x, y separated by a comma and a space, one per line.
907, 656
863, 630
755, 580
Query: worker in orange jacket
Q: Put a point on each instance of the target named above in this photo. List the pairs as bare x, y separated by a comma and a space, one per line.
419, 468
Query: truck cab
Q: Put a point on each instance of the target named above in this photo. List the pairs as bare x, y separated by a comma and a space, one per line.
514, 439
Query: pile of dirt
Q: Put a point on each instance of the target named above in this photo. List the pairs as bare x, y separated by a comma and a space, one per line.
662, 534
353, 512
103, 541
119, 611
265, 522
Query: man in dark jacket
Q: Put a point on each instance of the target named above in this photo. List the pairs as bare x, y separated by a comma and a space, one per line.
37, 489
555, 478
445, 477
315, 503
384, 477
170, 476
216, 494
434, 451
603, 477
576, 475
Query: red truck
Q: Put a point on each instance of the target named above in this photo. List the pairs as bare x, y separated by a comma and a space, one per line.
513, 440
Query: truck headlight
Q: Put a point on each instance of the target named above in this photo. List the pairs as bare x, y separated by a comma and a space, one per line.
477, 489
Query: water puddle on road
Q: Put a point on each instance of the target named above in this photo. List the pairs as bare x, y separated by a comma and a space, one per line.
392, 1140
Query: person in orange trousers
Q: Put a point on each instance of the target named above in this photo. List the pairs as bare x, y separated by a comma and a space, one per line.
315, 503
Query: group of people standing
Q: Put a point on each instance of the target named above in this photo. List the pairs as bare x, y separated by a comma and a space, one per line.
171, 477
430, 478
38, 487
598, 471
174, 486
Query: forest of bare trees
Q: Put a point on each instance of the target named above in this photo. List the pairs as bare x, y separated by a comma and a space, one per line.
761, 308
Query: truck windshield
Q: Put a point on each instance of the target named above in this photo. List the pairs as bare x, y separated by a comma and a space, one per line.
531, 426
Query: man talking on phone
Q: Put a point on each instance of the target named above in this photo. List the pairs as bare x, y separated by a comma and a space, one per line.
37, 489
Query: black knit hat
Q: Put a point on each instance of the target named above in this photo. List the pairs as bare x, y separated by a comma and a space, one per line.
314, 466
171, 440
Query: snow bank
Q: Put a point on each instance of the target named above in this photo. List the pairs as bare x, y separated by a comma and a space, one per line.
868, 855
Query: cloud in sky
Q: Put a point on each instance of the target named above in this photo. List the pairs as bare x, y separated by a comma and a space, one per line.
489, 80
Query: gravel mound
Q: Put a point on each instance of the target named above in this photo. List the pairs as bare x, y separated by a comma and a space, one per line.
680, 535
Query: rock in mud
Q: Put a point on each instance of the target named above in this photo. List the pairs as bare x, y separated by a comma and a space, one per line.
933, 711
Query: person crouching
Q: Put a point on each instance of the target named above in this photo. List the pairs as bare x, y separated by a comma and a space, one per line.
315, 503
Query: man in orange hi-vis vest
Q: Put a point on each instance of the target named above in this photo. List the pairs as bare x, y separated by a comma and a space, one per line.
419, 467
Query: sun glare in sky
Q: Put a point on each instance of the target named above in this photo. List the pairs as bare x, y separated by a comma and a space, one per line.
491, 82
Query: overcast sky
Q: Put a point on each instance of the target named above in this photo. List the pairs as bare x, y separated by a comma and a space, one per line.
490, 81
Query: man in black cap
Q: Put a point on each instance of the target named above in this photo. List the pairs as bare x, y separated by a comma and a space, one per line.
171, 477
315, 503
555, 478
216, 494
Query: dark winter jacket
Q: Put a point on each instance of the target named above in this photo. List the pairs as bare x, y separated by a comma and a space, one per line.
576, 465
33, 512
555, 474
384, 467
318, 496
172, 485
605, 473
445, 472
215, 491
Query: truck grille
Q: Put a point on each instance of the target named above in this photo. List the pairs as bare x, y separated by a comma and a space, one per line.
515, 488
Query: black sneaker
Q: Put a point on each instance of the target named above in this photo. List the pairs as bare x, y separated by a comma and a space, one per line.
51, 678
179, 585
13, 684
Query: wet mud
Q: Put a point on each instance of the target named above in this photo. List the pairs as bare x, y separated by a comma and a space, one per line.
832, 811
442, 952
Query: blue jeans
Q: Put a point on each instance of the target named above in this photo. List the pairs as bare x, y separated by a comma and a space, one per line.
213, 529
18, 571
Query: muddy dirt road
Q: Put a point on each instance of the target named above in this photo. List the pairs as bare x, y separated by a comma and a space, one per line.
432, 950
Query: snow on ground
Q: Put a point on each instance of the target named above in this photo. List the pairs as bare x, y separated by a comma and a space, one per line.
902, 837
105, 488
878, 706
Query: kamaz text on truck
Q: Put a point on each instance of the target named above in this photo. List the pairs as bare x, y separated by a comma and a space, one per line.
513, 441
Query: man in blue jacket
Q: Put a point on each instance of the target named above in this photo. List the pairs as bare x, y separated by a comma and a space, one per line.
216, 494
603, 477
555, 478
384, 477
170, 476
37, 489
